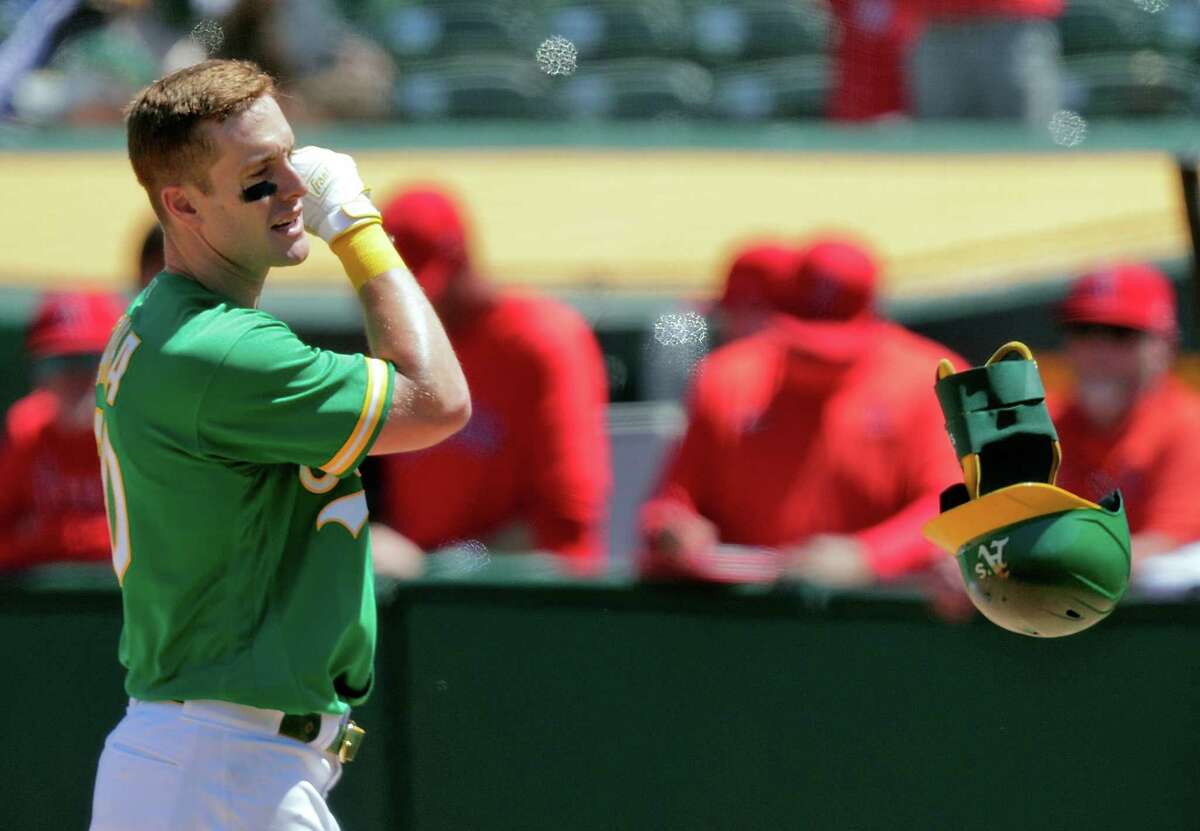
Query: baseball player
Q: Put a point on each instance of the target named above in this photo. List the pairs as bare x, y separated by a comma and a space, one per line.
1127, 422
229, 451
816, 438
741, 308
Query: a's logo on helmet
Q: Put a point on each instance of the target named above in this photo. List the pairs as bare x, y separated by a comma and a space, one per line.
991, 560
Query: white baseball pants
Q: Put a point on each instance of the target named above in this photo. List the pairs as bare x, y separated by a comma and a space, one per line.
212, 766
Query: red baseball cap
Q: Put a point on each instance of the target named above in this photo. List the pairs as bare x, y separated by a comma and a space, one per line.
427, 229
1130, 295
829, 302
756, 274
73, 323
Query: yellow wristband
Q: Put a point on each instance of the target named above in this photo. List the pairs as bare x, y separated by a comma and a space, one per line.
366, 252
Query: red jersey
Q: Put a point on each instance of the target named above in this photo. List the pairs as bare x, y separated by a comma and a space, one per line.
535, 450
30, 415
967, 9
781, 445
870, 58
53, 508
1152, 458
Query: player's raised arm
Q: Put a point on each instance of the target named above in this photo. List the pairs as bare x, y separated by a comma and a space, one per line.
431, 400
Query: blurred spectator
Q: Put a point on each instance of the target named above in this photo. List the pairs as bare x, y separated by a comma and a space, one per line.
308, 46
988, 59
1128, 423
680, 339
820, 437
52, 505
150, 256
30, 32
531, 470
871, 55
80, 61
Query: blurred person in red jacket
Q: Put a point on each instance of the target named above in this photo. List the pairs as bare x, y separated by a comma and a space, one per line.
531, 470
757, 275
987, 59
680, 339
52, 507
815, 448
1128, 423
874, 43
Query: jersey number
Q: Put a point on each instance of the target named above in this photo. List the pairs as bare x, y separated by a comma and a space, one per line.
114, 499
113, 365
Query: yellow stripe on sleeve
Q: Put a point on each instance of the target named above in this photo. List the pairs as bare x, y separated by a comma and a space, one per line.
368, 419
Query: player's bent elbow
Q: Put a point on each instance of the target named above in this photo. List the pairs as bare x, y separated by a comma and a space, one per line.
412, 429
447, 406
455, 413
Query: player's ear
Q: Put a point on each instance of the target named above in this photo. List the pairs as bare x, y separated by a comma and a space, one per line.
179, 206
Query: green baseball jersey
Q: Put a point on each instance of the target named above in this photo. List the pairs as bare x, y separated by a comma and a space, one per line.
229, 451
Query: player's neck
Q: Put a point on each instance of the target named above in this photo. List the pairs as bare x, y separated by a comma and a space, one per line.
195, 259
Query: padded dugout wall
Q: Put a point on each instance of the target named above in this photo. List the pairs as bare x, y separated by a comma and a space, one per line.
543, 705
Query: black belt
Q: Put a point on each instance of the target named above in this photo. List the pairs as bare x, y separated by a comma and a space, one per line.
301, 728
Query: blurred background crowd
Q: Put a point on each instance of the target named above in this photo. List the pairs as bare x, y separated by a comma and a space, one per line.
782, 424
730, 60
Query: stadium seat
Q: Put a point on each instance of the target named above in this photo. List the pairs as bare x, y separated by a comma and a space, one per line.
1091, 26
636, 88
1180, 29
457, 27
471, 86
722, 32
606, 29
781, 88
1131, 84
409, 31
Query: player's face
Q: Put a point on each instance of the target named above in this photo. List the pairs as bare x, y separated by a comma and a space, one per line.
253, 215
1113, 366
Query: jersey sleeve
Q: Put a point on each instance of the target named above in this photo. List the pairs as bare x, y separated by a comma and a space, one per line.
687, 476
275, 399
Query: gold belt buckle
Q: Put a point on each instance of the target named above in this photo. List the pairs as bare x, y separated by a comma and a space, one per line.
349, 739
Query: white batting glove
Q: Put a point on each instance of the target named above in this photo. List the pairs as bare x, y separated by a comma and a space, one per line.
337, 199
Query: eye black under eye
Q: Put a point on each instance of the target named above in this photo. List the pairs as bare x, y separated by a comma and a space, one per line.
259, 191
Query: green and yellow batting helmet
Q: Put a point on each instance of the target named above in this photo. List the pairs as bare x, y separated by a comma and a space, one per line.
1035, 558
